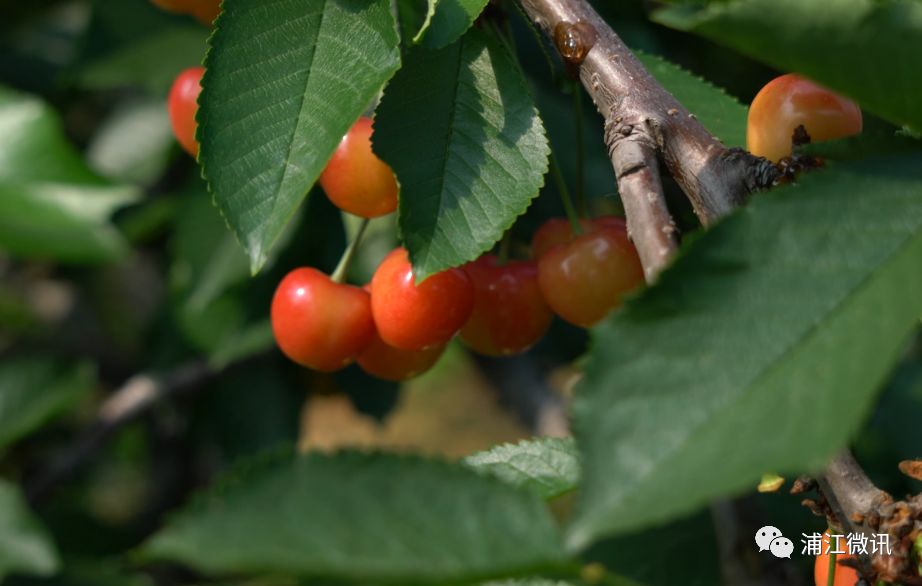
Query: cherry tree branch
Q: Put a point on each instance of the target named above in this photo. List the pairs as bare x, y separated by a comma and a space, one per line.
645, 126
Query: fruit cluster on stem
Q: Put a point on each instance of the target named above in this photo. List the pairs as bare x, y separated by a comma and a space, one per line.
396, 328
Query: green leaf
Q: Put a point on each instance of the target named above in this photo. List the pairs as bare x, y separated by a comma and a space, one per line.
25, 547
866, 49
447, 20
720, 113
34, 390
364, 518
51, 205
549, 466
282, 87
461, 131
760, 349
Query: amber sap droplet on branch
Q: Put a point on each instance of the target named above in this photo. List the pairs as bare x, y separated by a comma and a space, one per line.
574, 41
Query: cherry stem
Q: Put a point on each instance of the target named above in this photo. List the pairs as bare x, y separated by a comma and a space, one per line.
568, 208
580, 149
339, 275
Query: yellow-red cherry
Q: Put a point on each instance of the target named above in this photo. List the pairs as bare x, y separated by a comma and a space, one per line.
319, 323
510, 314
790, 101
386, 362
182, 105
414, 317
585, 277
355, 179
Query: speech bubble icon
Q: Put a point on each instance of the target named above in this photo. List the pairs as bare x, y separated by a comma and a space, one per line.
765, 535
781, 547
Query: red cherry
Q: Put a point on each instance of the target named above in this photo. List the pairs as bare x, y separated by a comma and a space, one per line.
790, 101
183, 104
845, 575
355, 179
510, 314
384, 361
319, 323
414, 317
584, 279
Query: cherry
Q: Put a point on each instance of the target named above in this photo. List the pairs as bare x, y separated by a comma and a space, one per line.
845, 575
320, 323
204, 10
584, 277
510, 314
355, 179
382, 360
790, 101
414, 317
183, 104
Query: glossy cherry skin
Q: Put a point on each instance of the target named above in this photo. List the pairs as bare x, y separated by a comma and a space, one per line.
584, 279
790, 101
183, 104
355, 179
845, 576
414, 317
384, 361
560, 231
204, 10
510, 314
318, 323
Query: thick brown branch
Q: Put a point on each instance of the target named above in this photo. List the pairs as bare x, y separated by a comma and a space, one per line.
714, 178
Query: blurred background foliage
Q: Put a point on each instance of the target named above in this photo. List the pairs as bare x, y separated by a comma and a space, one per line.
113, 261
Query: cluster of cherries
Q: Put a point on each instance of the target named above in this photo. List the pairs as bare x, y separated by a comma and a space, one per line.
396, 327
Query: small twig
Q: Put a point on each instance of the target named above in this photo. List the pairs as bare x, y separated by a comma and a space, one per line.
136, 396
